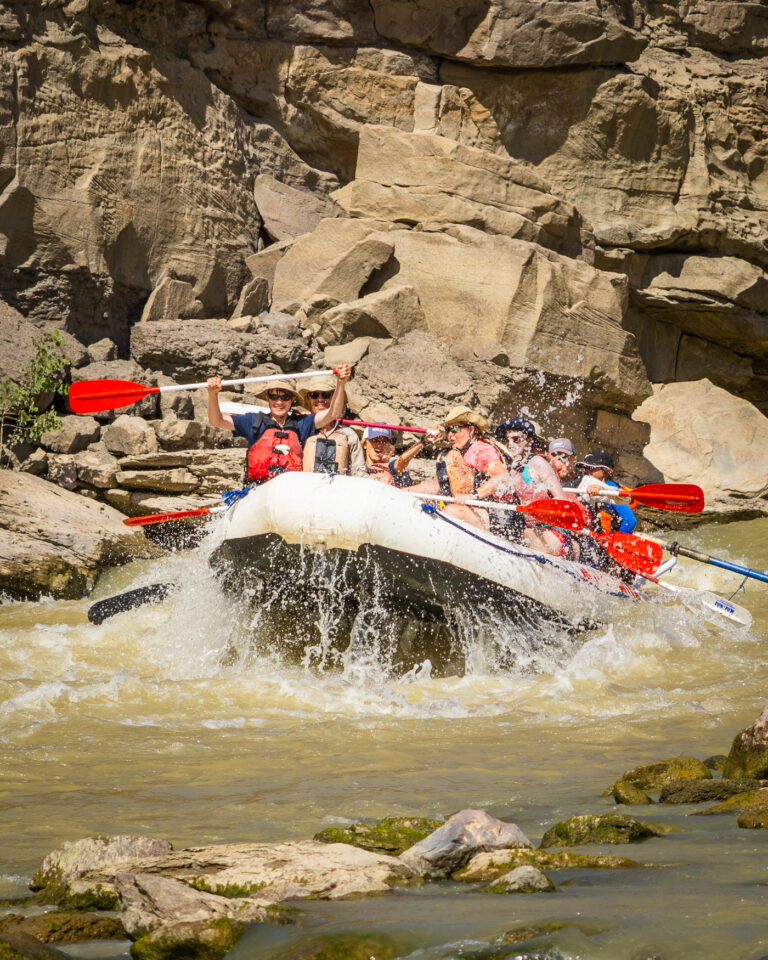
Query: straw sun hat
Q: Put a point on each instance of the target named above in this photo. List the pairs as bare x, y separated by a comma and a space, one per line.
288, 385
325, 382
465, 415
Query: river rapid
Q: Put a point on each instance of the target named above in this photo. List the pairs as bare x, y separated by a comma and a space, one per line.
157, 722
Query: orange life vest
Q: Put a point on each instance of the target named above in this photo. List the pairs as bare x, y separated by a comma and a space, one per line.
276, 451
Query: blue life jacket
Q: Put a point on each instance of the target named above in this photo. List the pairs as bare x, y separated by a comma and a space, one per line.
622, 510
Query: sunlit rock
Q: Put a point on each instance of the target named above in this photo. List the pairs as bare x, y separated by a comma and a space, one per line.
598, 828
526, 879
749, 751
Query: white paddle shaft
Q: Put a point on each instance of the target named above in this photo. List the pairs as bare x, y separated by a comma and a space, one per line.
603, 493
232, 383
470, 503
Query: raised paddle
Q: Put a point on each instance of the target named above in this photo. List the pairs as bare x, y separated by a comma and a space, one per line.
93, 396
166, 517
678, 497
678, 551
228, 406
560, 513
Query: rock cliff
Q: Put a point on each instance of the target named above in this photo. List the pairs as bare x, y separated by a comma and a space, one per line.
523, 204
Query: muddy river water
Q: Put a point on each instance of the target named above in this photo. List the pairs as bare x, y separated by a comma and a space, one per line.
148, 724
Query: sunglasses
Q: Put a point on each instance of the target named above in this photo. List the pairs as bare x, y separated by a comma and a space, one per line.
455, 427
279, 395
516, 437
320, 394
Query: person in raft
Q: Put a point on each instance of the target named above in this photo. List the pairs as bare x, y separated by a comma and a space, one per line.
334, 448
275, 439
381, 463
562, 456
470, 470
597, 467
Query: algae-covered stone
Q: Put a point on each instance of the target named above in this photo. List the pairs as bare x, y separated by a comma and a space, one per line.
343, 946
391, 835
705, 791
91, 853
752, 801
16, 945
748, 756
521, 880
597, 828
716, 762
494, 864
58, 927
653, 776
753, 821
521, 934
628, 793
198, 940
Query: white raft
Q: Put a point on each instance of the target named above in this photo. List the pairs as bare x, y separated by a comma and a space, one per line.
383, 538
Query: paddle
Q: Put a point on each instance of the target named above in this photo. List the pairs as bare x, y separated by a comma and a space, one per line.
678, 551
560, 513
636, 554
165, 517
103, 609
227, 406
678, 497
719, 605
93, 396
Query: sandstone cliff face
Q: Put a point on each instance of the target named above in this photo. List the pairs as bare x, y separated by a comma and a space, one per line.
567, 202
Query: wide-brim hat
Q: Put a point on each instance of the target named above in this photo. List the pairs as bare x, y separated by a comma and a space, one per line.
597, 460
465, 415
519, 425
288, 385
324, 382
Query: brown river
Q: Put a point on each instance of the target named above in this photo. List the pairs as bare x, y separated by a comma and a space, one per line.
157, 722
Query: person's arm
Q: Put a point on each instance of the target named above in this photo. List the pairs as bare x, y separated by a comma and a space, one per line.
543, 470
426, 486
215, 417
402, 461
356, 456
336, 408
497, 477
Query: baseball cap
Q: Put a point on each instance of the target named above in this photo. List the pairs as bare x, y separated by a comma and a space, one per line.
370, 433
595, 459
563, 446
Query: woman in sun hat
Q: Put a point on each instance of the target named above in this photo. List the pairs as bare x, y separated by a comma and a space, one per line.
334, 448
275, 440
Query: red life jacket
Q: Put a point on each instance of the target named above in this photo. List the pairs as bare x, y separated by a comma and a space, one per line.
276, 451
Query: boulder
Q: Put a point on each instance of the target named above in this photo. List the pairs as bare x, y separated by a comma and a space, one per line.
36, 463
526, 879
96, 467
627, 793
751, 801
392, 835
130, 435
253, 300
198, 940
53, 542
491, 866
212, 471
415, 178
351, 352
454, 843
388, 313
161, 481
287, 212
76, 857
748, 756
75, 434
653, 776
103, 350
59, 927
19, 945
171, 300
176, 434
702, 434
701, 791
62, 470
262, 265
598, 828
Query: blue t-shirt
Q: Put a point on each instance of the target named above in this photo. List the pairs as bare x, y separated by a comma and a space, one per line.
252, 425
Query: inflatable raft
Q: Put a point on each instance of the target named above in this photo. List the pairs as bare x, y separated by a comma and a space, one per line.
324, 555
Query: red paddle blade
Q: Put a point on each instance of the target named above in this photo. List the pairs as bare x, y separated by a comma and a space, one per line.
557, 513
634, 553
165, 517
93, 396
679, 497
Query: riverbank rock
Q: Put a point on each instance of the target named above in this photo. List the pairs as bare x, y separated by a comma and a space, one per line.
525, 879
392, 835
751, 801
60, 927
627, 793
754, 821
702, 791
17, 945
702, 434
53, 542
598, 828
201, 940
748, 756
454, 843
653, 776
490, 866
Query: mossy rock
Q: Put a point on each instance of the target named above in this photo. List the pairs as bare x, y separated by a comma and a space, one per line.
752, 801
16, 945
58, 927
343, 946
501, 862
706, 791
753, 821
653, 776
521, 934
198, 940
598, 828
716, 762
525, 879
233, 891
626, 792
392, 835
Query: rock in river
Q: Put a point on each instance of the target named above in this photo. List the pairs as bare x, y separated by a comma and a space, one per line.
749, 751
56, 542
605, 828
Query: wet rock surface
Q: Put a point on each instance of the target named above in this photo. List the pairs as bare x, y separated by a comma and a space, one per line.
749, 751
601, 828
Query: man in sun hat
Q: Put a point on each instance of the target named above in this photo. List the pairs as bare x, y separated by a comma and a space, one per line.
471, 469
275, 440
334, 448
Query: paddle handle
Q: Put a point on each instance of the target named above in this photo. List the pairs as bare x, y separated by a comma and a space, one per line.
471, 503
232, 383
383, 426
617, 492
679, 551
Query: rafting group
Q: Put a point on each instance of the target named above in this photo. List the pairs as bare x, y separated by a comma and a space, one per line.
510, 465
